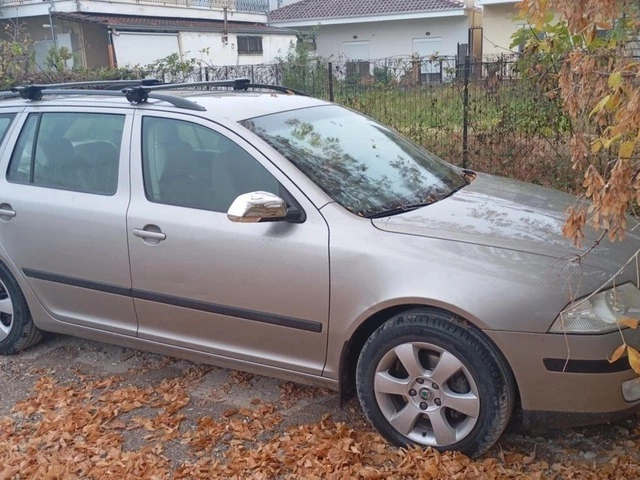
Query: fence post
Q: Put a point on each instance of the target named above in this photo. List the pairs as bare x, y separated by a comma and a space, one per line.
465, 113
330, 70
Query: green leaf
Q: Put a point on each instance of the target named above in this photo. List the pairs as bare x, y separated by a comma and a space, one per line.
626, 150
596, 145
598, 108
615, 79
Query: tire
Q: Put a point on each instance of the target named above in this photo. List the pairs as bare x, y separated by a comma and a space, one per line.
17, 330
425, 378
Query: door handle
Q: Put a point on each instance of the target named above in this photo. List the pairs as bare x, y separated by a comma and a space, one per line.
149, 234
6, 212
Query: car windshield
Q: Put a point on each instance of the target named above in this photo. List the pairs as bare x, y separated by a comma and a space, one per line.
365, 167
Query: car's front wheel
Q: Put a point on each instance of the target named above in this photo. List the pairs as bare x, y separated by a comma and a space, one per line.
17, 330
425, 378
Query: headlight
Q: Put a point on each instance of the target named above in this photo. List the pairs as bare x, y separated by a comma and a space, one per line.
598, 313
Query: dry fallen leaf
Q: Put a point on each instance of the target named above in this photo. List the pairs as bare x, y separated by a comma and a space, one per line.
618, 353
78, 431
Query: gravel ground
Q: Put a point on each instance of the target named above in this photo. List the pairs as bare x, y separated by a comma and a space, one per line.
223, 395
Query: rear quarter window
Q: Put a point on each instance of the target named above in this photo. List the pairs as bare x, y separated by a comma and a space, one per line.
5, 123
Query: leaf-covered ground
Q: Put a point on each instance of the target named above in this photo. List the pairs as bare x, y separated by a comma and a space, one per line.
73, 409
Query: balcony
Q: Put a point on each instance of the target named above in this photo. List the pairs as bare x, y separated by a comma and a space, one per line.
237, 10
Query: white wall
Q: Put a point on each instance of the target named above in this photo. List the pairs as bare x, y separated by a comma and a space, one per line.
392, 38
499, 22
143, 48
221, 53
275, 46
155, 8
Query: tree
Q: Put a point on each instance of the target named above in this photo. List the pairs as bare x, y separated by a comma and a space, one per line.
589, 47
15, 53
587, 51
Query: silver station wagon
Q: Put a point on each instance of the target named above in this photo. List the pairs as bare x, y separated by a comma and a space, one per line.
264, 230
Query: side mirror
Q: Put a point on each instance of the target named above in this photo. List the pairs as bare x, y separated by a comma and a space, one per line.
257, 207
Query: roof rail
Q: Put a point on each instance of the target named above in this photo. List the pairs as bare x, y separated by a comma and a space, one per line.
139, 93
173, 100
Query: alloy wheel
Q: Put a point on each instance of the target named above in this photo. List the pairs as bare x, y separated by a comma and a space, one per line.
6, 312
427, 394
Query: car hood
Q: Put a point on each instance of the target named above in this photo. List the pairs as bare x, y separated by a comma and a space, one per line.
499, 212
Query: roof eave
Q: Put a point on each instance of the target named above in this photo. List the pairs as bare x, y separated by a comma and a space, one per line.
231, 28
159, 28
483, 3
456, 12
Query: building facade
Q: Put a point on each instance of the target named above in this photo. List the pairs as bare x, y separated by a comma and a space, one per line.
139, 32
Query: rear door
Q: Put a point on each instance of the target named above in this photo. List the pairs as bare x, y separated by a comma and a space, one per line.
257, 293
64, 193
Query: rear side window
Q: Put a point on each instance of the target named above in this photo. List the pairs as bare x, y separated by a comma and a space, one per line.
5, 122
69, 151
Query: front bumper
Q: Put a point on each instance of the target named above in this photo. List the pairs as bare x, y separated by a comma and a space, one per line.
585, 386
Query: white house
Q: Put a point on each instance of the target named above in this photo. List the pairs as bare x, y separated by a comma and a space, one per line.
500, 20
374, 29
130, 32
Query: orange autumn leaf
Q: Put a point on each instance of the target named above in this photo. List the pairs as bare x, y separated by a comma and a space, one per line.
634, 359
628, 322
618, 353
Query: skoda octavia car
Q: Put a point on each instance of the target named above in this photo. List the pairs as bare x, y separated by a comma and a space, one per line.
287, 236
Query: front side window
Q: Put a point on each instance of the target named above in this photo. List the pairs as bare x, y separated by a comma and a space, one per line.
5, 122
188, 165
364, 166
69, 151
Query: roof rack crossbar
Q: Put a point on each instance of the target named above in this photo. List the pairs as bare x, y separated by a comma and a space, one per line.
175, 101
34, 92
115, 84
137, 91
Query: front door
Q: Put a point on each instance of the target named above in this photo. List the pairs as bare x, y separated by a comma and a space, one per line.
257, 293
63, 199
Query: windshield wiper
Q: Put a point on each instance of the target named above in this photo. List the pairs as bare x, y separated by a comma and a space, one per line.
468, 176
400, 209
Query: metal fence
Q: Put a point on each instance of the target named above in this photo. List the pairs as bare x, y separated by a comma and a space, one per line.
478, 113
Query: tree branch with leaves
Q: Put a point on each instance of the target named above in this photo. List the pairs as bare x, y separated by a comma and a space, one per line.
593, 47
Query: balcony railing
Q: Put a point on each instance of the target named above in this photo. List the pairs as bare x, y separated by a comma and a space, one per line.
251, 6
247, 6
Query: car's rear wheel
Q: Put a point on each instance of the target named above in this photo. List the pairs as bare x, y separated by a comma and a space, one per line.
424, 378
17, 330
